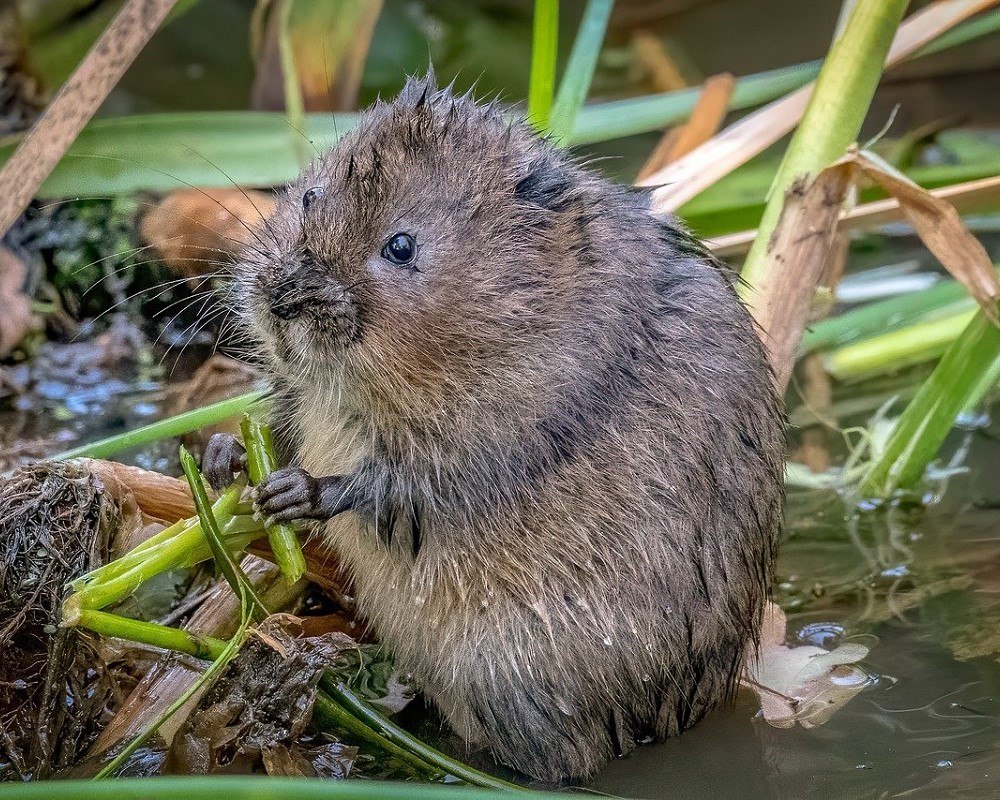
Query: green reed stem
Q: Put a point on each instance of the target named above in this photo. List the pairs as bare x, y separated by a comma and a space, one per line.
232, 572
899, 349
579, 72
134, 630
261, 462
839, 103
362, 710
164, 429
929, 417
544, 50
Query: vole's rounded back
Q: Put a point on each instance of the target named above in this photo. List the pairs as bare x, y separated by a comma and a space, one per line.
556, 416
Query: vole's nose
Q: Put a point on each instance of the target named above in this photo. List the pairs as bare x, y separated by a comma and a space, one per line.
288, 297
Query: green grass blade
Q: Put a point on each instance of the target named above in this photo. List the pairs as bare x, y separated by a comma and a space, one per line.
544, 51
927, 420
579, 71
294, 105
617, 118
899, 349
177, 425
203, 148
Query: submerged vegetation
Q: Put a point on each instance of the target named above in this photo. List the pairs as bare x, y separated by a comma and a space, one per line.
918, 353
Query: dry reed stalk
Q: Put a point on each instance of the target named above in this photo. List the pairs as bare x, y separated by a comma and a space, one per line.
965, 197
76, 102
704, 122
664, 74
158, 496
736, 145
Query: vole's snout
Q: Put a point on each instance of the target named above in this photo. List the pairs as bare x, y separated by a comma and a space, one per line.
289, 295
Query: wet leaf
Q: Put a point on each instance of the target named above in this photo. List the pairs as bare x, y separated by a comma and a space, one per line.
804, 685
263, 699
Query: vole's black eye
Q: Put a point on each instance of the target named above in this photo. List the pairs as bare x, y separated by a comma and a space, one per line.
311, 196
401, 249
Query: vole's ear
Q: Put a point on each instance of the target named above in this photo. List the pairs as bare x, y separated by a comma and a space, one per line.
547, 185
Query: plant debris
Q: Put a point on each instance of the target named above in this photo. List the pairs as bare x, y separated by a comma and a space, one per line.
261, 705
55, 687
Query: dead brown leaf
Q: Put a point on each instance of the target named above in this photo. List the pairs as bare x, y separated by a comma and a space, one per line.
940, 227
16, 316
159, 497
662, 70
263, 699
197, 230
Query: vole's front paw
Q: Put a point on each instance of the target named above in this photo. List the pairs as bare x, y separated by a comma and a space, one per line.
224, 458
293, 493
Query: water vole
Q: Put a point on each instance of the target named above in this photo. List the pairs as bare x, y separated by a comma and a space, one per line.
542, 429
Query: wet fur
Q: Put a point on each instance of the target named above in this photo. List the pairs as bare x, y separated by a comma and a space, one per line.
561, 431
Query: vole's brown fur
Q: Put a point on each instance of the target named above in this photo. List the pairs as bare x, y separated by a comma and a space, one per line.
558, 425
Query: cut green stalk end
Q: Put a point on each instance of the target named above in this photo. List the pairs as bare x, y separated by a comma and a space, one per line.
261, 462
207, 648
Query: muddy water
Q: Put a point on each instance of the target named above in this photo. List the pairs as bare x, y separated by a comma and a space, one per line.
928, 586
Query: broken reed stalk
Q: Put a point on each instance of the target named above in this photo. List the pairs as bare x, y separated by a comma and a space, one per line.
76, 102
261, 462
779, 291
928, 418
